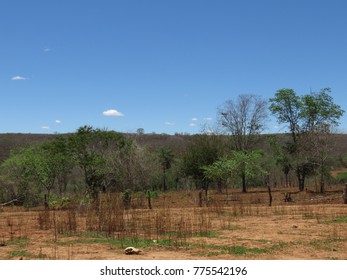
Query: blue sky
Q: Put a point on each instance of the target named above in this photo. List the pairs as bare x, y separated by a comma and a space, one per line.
164, 66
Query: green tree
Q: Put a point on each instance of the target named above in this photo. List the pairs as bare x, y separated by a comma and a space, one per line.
44, 168
239, 164
204, 150
246, 165
17, 174
286, 106
35, 170
305, 115
63, 160
219, 171
90, 147
319, 112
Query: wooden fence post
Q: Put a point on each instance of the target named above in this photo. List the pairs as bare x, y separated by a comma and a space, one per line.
267, 184
149, 199
345, 195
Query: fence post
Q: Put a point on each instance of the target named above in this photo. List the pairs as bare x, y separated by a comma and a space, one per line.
270, 195
149, 199
345, 195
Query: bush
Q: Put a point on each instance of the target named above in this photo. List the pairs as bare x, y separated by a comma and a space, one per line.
58, 203
341, 178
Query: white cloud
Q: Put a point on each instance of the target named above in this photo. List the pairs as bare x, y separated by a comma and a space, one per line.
169, 123
46, 49
45, 127
208, 119
194, 119
57, 121
193, 124
112, 113
18, 78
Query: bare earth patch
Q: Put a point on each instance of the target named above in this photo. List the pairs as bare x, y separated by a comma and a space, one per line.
310, 228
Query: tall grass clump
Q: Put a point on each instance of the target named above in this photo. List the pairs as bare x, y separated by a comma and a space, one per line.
69, 221
44, 220
162, 222
106, 216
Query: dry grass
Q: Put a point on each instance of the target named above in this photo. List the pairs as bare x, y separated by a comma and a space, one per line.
230, 227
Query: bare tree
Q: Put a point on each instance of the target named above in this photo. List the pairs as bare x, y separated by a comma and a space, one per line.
322, 145
244, 119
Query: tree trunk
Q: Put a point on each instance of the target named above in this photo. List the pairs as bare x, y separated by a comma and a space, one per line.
244, 185
286, 177
200, 197
46, 202
322, 181
301, 179
270, 195
205, 187
220, 186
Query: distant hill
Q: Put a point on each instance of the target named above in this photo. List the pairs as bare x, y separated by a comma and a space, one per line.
12, 141
177, 142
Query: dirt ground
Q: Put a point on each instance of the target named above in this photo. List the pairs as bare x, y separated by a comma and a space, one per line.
235, 226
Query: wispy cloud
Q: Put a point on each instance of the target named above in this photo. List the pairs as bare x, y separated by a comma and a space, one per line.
18, 78
193, 124
57, 121
45, 127
46, 49
194, 119
112, 113
209, 132
169, 123
208, 119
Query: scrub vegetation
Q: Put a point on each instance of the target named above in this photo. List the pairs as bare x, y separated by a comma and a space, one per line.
91, 193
